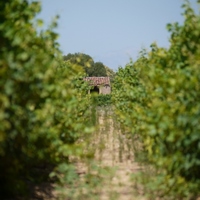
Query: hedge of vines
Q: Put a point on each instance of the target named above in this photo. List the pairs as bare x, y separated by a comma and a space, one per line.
102, 100
42, 99
158, 98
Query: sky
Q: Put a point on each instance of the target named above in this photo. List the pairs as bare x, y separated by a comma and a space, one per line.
112, 31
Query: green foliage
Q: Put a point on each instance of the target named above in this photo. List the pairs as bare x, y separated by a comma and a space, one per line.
98, 70
102, 99
90, 67
43, 102
83, 60
157, 98
110, 73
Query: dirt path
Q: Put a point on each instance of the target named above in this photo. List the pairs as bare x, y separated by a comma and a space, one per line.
113, 162
117, 154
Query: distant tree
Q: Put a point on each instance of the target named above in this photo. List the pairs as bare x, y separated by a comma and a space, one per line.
89, 66
81, 59
110, 73
98, 70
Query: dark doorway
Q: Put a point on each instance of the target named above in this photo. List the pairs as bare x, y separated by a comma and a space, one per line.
95, 90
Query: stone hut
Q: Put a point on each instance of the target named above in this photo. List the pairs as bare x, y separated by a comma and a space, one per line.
101, 85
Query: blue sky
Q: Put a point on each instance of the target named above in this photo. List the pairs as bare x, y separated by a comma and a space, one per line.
112, 31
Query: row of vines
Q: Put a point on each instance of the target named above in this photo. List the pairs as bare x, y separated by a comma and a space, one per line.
157, 99
44, 109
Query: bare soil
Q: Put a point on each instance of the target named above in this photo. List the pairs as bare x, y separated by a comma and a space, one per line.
119, 155
114, 156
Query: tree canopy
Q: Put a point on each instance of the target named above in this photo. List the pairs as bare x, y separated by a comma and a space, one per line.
98, 69
90, 67
80, 59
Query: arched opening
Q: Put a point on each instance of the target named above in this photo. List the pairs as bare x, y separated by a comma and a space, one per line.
95, 90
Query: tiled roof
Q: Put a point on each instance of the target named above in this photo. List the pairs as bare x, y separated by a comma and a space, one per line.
98, 80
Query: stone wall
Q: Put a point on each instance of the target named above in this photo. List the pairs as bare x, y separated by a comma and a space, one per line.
104, 89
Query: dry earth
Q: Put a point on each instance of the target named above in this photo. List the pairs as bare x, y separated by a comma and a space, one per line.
117, 154
114, 161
